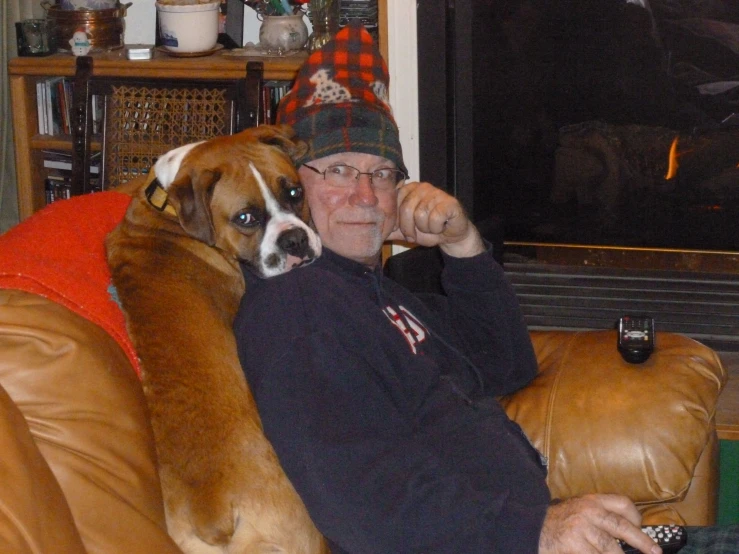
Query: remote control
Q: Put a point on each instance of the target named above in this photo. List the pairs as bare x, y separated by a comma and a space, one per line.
635, 338
670, 538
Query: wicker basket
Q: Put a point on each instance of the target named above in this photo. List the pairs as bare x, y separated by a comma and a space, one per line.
104, 28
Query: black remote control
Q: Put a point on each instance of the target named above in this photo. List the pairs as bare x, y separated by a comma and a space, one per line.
670, 538
635, 338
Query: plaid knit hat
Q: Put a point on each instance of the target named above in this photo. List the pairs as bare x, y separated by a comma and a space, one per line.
339, 101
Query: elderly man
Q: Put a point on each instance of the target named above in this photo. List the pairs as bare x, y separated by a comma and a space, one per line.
382, 407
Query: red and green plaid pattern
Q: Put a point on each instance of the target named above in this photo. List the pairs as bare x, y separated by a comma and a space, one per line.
339, 100
351, 60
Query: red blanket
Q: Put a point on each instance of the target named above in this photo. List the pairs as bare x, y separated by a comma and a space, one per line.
59, 253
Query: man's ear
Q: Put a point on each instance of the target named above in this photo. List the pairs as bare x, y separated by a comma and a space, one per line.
191, 196
283, 137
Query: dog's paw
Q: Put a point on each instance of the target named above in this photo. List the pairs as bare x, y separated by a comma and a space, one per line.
199, 513
212, 516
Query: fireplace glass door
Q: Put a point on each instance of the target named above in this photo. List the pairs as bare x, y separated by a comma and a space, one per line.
605, 122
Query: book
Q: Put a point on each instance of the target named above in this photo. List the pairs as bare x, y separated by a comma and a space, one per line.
47, 106
68, 104
55, 106
41, 106
63, 115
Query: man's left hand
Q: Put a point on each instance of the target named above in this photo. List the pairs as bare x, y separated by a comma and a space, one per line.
428, 216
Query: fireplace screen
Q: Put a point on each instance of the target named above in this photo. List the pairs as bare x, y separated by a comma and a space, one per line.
608, 122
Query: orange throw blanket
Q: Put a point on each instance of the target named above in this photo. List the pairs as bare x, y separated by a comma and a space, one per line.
59, 253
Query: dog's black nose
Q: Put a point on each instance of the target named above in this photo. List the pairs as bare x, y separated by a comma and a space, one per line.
295, 242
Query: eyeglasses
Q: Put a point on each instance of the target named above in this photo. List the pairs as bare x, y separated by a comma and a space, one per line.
341, 175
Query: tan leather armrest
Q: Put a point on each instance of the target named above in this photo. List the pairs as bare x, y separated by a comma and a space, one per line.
611, 427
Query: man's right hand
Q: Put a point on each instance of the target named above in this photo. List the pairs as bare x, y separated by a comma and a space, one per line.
429, 216
591, 524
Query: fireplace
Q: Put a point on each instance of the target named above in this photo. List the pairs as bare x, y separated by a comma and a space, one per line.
604, 123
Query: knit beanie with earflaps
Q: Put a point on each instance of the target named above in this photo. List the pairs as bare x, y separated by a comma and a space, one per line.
339, 102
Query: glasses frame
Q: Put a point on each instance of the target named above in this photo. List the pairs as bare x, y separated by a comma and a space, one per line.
360, 173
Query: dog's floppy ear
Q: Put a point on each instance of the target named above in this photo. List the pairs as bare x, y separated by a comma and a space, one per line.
191, 196
283, 137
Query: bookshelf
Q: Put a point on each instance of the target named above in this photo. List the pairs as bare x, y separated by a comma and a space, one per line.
25, 73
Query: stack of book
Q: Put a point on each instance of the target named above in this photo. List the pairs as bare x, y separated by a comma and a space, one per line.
58, 184
272, 93
59, 187
54, 105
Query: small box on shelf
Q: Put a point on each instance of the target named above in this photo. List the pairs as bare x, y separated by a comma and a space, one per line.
59, 159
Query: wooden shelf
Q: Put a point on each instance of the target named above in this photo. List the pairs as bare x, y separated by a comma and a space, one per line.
26, 72
61, 142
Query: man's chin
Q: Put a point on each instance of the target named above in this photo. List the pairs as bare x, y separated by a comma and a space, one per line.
365, 252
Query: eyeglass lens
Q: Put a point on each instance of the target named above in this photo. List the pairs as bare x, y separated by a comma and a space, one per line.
346, 175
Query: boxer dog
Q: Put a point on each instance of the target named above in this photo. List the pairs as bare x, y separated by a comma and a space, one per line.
203, 209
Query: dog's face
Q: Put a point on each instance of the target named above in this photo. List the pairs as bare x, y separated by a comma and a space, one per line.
241, 193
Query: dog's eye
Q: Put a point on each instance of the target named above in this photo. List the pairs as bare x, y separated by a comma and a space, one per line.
294, 194
246, 219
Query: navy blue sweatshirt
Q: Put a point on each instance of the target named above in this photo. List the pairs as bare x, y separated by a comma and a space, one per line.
381, 406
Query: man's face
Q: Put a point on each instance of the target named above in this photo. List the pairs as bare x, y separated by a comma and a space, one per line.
355, 220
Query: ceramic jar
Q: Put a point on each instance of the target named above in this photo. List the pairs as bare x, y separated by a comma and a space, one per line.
188, 28
282, 34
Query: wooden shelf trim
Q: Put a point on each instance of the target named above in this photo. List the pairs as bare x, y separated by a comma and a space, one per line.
161, 66
60, 142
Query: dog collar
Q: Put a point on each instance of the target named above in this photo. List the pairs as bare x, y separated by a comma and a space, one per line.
158, 198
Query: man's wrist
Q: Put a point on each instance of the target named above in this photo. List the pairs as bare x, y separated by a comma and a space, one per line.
470, 246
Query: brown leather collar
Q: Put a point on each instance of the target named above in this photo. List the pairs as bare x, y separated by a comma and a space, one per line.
158, 198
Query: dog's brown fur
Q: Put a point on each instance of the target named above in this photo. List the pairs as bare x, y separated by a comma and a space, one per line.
179, 282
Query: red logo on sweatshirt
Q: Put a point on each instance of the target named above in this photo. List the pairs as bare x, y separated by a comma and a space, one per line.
412, 329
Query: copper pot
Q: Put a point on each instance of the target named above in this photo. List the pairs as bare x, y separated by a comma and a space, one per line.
104, 28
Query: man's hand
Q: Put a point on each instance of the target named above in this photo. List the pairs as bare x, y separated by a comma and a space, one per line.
591, 524
429, 216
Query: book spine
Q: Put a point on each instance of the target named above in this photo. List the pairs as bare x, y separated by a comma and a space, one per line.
49, 112
60, 93
55, 106
68, 103
41, 106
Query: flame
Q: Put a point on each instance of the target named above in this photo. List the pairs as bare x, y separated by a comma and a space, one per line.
672, 164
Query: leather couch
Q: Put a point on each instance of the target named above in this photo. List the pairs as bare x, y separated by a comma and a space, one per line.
78, 462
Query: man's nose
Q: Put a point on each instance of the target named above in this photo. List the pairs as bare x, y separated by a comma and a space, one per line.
363, 194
